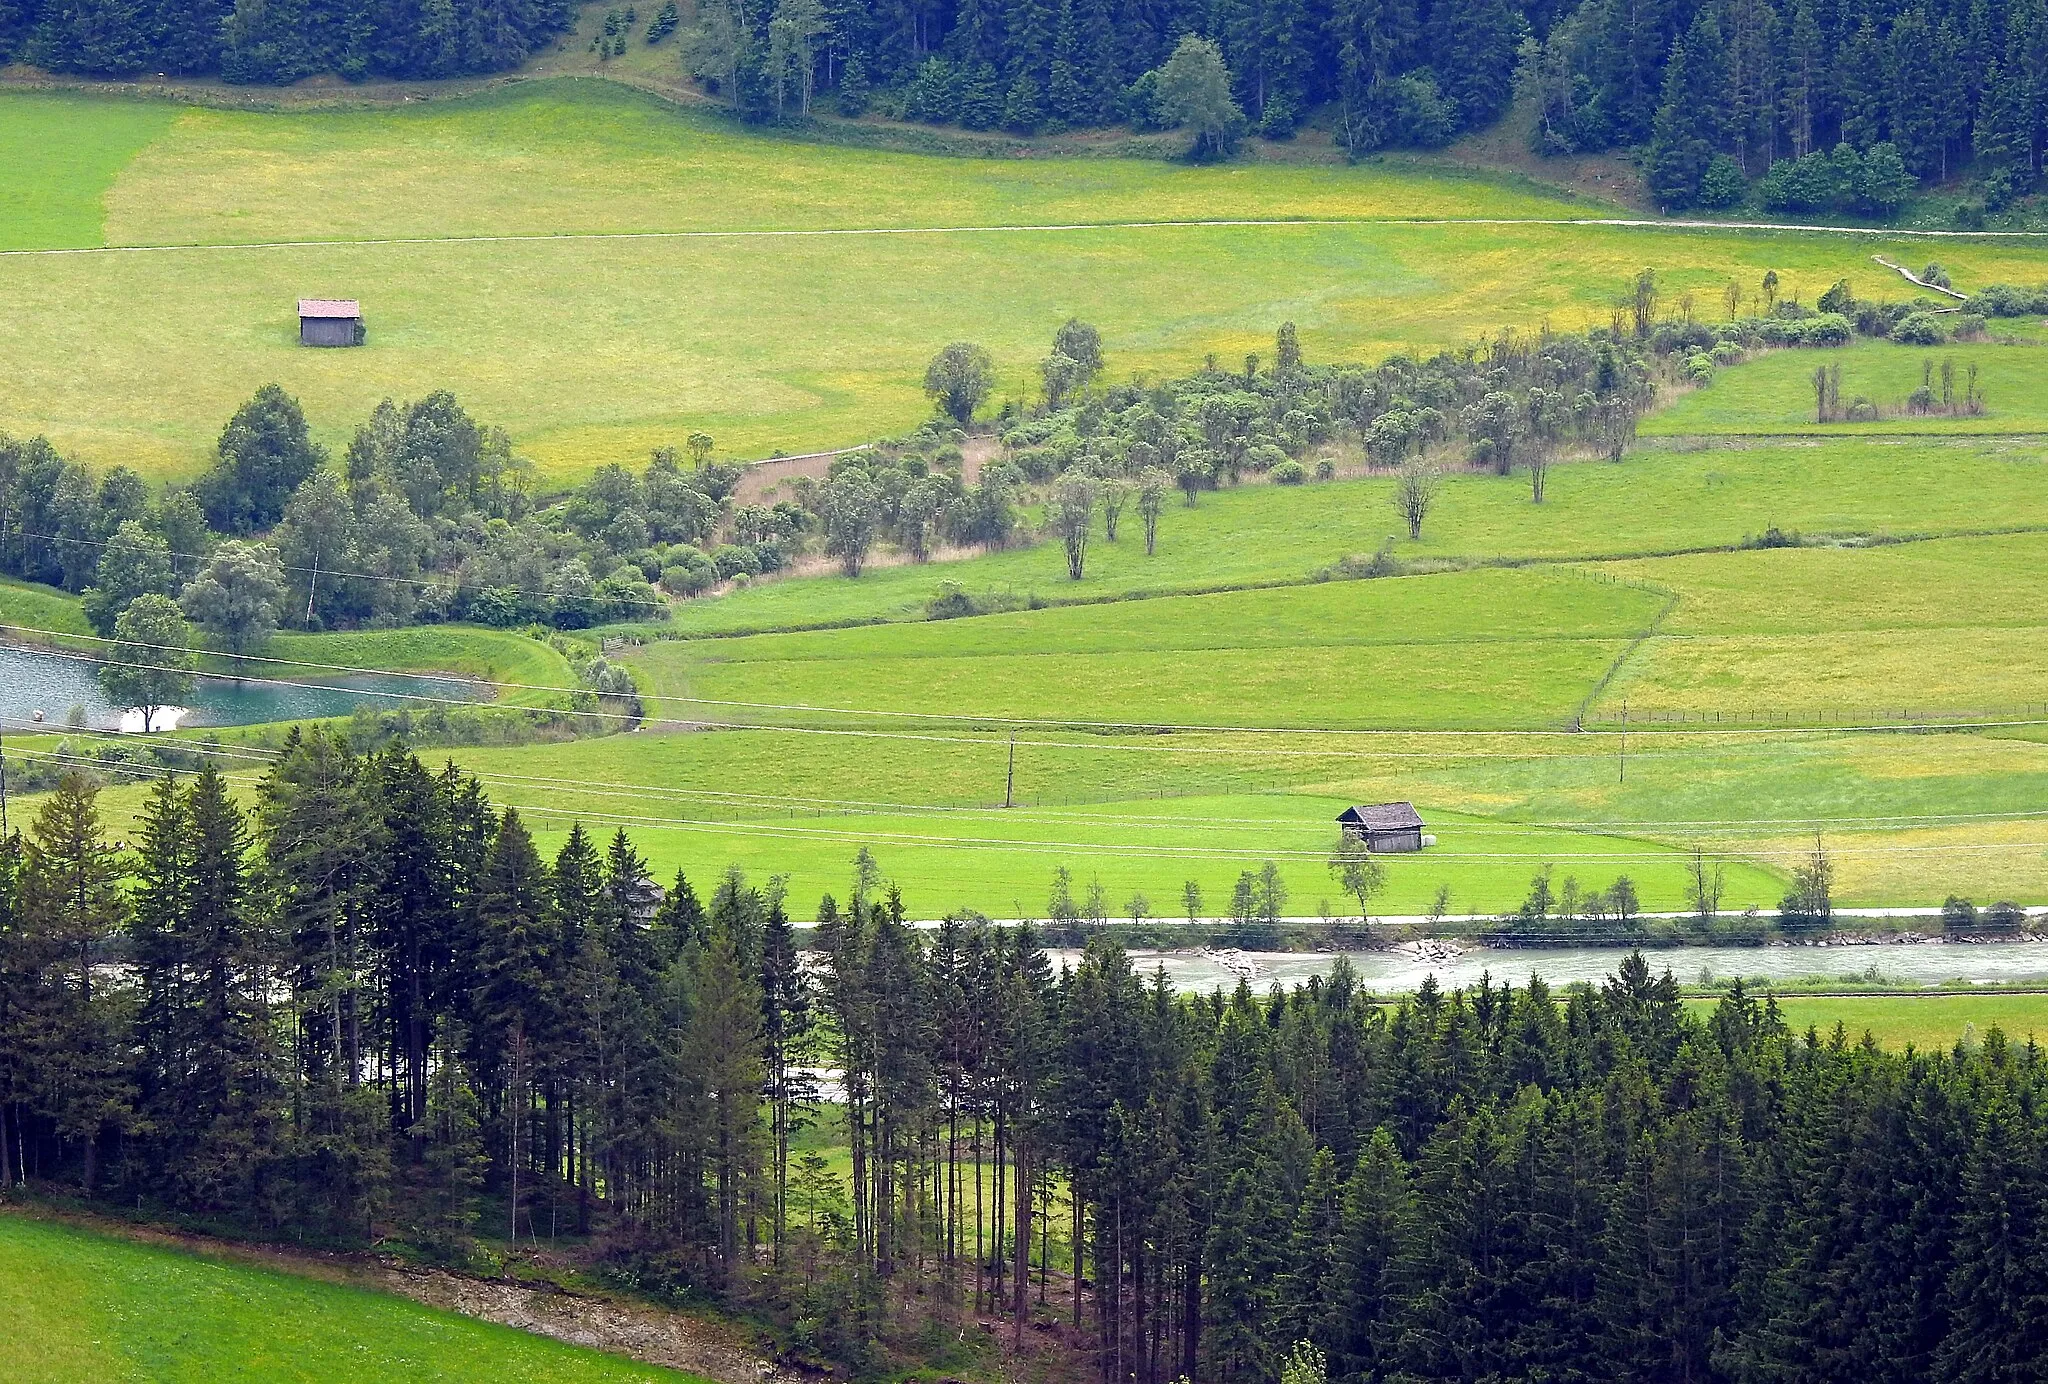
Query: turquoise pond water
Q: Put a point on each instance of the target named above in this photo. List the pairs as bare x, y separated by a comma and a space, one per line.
33, 680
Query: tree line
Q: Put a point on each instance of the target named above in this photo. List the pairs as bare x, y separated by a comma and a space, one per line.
1805, 106
1721, 94
428, 516
366, 1005
279, 41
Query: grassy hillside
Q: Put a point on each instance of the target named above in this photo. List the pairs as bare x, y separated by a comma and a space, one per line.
1775, 634
659, 293
84, 1306
1835, 633
766, 340
34, 607
591, 157
498, 656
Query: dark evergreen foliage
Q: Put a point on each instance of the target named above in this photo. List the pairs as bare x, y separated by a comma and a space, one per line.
371, 1007
279, 41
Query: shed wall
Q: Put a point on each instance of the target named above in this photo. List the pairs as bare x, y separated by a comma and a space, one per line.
1394, 841
327, 331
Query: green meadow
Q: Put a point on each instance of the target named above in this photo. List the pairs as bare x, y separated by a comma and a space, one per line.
664, 293
1846, 633
1774, 393
1929, 1022
1665, 497
494, 656
601, 272
1457, 690
80, 1305
1418, 651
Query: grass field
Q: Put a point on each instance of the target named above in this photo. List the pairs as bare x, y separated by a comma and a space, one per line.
1837, 633
1774, 393
1660, 499
39, 610
1418, 651
767, 341
62, 154
497, 656
1910, 817
1928, 1022
600, 272
85, 1306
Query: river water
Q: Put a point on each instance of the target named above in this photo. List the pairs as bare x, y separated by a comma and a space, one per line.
1399, 971
32, 680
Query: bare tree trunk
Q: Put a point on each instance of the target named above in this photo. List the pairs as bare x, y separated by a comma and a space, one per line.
1022, 1286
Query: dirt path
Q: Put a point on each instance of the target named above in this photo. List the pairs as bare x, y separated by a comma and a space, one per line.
647, 1333
761, 479
1023, 228
1910, 277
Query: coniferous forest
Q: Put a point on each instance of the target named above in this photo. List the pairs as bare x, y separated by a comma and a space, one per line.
366, 1007
1811, 106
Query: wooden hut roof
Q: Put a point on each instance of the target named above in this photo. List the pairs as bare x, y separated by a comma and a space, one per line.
330, 307
1382, 816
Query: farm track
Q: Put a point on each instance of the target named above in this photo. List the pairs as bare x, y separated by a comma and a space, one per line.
1068, 227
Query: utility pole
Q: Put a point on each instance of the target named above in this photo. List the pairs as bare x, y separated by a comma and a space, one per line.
3, 783
1010, 777
1624, 740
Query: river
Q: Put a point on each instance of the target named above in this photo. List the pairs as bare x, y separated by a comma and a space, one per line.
33, 681
1399, 971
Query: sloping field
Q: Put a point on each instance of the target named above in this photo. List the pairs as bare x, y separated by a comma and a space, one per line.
593, 350
80, 1306
62, 154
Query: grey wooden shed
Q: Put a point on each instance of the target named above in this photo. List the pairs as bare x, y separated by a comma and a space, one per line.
1385, 826
330, 322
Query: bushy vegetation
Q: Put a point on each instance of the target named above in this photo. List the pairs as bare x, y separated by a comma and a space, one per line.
427, 518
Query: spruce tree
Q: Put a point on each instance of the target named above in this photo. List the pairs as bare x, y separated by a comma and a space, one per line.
720, 1066
71, 905
1995, 1293
1692, 119
1377, 1207
1305, 1311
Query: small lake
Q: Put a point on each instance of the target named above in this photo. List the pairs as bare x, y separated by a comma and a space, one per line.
1395, 972
33, 680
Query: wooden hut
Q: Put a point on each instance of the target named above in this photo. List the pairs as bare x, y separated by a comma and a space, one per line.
1385, 826
330, 322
